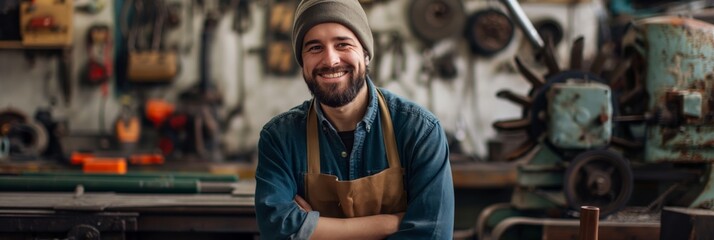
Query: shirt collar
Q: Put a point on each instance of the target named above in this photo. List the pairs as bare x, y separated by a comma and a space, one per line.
370, 114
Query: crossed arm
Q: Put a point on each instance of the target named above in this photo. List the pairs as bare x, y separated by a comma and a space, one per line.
369, 227
429, 215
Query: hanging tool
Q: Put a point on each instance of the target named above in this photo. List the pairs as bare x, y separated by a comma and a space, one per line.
64, 73
392, 44
127, 127
200, 126
206, 126
187, 26
236, 118
160, 114
50, 24
207, 35
242, 17
173, 15
99, 48
399, 58
154, 65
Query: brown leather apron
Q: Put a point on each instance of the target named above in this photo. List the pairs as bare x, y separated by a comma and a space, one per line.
380, 193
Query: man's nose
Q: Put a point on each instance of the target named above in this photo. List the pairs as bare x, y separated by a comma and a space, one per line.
331, 57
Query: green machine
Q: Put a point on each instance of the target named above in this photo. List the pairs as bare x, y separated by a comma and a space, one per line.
638, 131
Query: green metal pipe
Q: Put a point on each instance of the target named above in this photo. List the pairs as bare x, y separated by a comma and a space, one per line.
95, 184
204, 177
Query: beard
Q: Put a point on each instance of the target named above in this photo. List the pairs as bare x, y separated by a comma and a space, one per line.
331, 94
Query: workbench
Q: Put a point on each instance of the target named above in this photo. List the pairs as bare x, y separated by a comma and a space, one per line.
60, 215
116, 215
48, 215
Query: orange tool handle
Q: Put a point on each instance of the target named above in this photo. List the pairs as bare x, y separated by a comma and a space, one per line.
104, 165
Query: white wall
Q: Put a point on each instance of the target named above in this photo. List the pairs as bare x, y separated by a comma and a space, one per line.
466, 105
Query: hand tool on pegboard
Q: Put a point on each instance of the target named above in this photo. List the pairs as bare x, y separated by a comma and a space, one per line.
127, 127
153, 64
158, 112
202, 101
99, 66
242, 16
236, 118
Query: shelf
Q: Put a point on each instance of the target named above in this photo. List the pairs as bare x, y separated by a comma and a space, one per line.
19, 45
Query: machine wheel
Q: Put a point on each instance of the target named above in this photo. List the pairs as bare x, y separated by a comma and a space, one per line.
598, 178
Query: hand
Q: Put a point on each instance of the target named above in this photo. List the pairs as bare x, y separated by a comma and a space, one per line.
306, 206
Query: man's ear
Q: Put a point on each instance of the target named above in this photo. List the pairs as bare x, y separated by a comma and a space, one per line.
366, 60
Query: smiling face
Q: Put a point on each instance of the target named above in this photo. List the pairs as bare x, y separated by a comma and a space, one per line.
334, 64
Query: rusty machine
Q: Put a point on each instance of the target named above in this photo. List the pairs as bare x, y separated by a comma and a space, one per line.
618, 133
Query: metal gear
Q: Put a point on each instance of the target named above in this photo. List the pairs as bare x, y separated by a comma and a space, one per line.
535, 104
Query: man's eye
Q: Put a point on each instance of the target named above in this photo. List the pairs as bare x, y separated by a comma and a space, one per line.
343, 45
313, 48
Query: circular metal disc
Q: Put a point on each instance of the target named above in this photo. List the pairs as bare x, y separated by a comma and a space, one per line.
10, 116
598, 178
550, 29
434, 20
489, 31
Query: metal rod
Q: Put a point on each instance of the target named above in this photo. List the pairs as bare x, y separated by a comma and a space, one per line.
203, 177
589, 220
93, 184
526, 25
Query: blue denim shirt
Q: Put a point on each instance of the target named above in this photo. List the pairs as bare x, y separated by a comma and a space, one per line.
422, 149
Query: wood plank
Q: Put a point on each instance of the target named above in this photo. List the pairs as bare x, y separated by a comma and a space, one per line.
484, 175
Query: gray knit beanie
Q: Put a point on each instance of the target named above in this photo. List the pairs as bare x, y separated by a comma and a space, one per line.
346, 12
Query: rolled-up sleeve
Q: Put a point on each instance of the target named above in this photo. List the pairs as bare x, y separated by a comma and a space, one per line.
430, 211
279, 217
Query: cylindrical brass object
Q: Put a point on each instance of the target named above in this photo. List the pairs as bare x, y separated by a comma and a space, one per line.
589, 220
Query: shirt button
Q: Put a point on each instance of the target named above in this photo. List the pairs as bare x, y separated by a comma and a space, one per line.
344, 154
368, 128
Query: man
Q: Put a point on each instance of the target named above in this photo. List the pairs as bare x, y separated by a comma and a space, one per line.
356, 162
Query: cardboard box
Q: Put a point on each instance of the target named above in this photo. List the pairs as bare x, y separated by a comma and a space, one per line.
46, 23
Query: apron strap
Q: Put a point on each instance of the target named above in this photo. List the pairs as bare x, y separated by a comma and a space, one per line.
390, 142
313, 143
